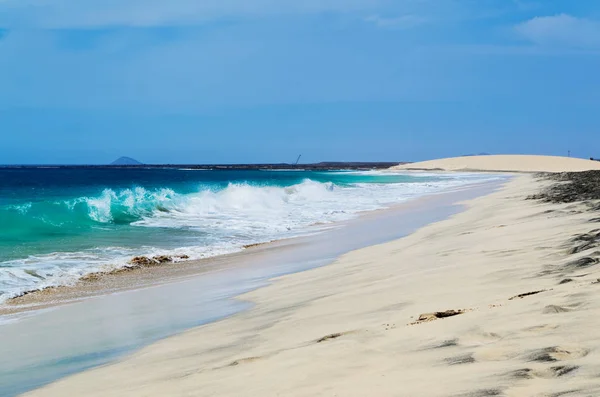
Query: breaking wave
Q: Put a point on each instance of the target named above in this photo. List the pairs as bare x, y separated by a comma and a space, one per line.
56, 241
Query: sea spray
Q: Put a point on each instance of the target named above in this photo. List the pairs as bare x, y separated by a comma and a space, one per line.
58, 225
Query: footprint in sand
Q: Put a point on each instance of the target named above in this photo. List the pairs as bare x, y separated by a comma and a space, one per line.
459, 360
554, 309
482, 393
478, 337
244, 361
441, 345
488, 346
540, 329
545, 373
485, 345
557, 353
497, 353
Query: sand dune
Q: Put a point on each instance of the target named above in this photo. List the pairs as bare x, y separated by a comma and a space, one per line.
506, 163
500, 300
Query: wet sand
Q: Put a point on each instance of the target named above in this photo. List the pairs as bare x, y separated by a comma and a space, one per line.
146, 305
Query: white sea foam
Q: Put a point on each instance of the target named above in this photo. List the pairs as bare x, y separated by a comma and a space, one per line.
227, 219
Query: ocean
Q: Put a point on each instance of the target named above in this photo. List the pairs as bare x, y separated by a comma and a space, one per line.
59, 224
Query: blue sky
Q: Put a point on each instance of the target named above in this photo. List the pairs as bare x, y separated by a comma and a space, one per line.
229, 81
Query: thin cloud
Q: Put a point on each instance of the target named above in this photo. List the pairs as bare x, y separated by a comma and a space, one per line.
561, 31
402, 22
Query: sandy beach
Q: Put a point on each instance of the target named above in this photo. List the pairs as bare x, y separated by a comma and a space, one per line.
505, 163
310, 198
498, 300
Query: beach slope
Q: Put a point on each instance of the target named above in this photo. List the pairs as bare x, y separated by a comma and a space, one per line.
505, 163
500, 300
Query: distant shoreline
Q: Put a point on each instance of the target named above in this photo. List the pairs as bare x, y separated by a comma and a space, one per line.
323, 166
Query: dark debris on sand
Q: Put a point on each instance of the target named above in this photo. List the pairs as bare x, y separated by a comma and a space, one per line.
329, 337
571, 187
427, 317
136, 263
521, 296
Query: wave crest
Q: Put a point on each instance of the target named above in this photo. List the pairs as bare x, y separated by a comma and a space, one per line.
125, 206
242, 206
55, 242
151, 207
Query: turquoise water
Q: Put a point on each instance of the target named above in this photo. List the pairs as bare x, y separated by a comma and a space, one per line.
59, 224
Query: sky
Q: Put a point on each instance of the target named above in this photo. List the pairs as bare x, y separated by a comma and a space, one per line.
246, 81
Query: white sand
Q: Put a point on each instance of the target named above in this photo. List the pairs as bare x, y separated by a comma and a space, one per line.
507, 163
500, 247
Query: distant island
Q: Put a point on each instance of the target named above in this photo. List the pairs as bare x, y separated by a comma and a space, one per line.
126, 161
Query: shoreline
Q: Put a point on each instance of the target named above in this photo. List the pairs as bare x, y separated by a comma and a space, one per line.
308, 252
100, 227
135, 276
500, 293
